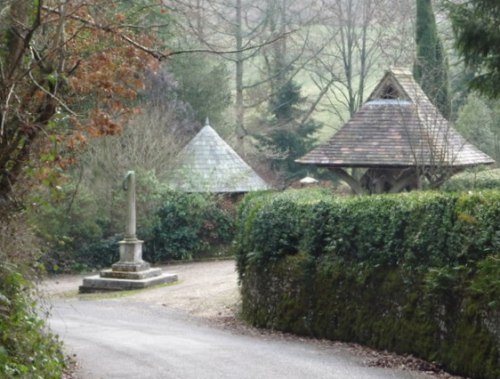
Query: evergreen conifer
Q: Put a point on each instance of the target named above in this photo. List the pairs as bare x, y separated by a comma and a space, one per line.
431, 66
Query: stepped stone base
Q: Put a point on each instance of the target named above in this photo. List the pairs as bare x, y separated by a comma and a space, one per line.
114, 282
129, 273
134, 275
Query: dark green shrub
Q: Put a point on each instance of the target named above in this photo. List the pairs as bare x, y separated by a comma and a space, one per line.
78, 236
273, 236
70, 228
189, 226
97, 254
429, 227
81, 232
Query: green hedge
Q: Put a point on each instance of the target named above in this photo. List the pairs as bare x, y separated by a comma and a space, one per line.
413, 273
471, 180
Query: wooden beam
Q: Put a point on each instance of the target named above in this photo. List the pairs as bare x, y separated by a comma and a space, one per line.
349, 179
405, 180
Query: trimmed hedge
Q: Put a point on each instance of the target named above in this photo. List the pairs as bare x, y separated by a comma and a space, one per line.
471, 180
413, 273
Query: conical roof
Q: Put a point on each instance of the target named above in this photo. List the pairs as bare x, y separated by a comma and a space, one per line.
208, 164
397, 127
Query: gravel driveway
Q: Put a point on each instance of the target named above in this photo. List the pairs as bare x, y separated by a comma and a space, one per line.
205, 289
190, 330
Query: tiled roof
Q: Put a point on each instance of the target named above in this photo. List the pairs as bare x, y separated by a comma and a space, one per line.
397, 127
208, 164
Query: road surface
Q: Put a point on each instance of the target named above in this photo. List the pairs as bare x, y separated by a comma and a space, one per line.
165, 333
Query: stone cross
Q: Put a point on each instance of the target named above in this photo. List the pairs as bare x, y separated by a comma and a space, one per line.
130, 272
129, 186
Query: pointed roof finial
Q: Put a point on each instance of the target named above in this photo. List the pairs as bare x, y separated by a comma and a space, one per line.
207, 123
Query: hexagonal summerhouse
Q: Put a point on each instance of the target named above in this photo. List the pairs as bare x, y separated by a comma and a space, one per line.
398, 136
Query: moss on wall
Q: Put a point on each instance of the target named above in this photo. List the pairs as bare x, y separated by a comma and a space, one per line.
386, 308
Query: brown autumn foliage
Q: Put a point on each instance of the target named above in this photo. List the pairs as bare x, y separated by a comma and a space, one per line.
69, 71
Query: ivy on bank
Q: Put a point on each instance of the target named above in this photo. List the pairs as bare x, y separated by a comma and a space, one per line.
27, 348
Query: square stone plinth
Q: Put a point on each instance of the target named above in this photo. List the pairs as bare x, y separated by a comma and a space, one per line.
131, 250
98, 283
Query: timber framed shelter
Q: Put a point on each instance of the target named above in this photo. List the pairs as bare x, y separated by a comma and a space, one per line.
399, 137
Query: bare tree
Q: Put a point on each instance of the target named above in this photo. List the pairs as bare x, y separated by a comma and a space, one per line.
365, 37
148, 145
225, 26
150, 140
262, 35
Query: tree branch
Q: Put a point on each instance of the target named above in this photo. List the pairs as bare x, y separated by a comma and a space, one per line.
5, 111
154, 52
224, 52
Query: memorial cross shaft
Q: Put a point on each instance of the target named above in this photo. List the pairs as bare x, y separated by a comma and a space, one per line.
129, 186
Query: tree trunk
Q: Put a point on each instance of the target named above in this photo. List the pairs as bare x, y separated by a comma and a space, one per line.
240, 109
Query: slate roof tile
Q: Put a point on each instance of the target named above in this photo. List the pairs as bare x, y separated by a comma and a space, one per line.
208, 164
